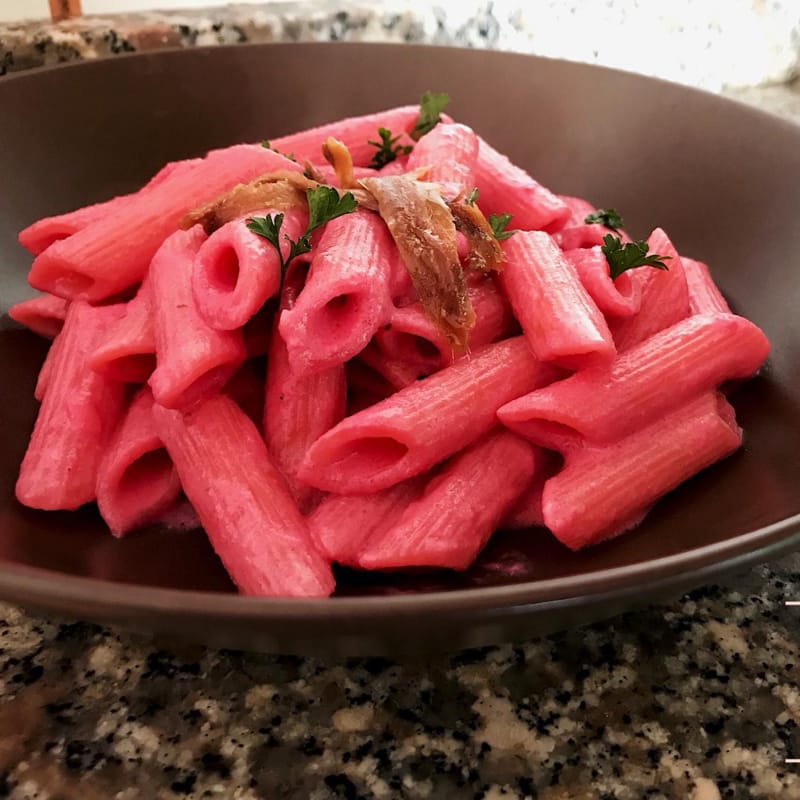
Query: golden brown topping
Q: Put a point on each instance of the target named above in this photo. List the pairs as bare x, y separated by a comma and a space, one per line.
282, 191
485, 253
338, 156
423, 230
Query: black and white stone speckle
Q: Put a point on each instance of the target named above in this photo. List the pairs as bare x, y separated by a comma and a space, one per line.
700, 43
698, 699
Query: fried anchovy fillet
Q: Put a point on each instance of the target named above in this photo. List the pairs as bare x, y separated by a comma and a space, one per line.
338, 156
423, 230
485, 253
282, 190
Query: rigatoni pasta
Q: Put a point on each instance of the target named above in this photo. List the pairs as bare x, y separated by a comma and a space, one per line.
370, 343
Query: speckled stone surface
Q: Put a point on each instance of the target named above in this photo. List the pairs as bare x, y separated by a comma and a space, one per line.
698, 699
704, 43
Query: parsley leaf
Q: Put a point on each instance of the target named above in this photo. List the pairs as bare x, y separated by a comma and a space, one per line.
431, 105
498, 223
267, 227
387, 149
605, 216
472, 197
267, 145
324, 204
633, 254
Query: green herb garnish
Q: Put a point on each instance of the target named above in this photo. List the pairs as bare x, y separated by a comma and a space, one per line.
633, 254
605, 216
498, 223
431, 105
387, 150
324, 204
267, 145
472, 197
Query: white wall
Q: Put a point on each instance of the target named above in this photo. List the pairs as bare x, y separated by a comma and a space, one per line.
31, 9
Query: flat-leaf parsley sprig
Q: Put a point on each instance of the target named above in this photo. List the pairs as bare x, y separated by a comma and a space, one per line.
431, 105
388, 150
633, 254
324, 204
605, 216
498, 223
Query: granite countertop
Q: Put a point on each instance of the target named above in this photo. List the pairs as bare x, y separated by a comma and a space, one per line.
694, 699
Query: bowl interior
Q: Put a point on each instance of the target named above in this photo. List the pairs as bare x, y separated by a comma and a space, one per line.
720, 178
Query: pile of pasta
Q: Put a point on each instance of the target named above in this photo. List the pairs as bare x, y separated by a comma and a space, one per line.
326, 415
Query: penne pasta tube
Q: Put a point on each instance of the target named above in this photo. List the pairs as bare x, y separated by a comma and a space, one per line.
297, 411
128, 351
193, 360
561, 322
704, 295
601, 490
617, 297
342, 526
43, 314
504, 188
448, 153
347, 295
137, 482
107, 257
606, 403
79, 411
424, 423
460, 508
236, 271
665, 297
411, 337
242, 500
38, 237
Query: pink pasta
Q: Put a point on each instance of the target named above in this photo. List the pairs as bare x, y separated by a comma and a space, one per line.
242, 500
342, 526
412, 338
194, 360
38, 237
504, 188
448, 153
298, 409
137, 482
460, 509
306, 402
601, 491
665, 296
605, 403
561, 322
79, 411
43, 314
346, 297
105, 258
235, 272
424, 423
128, 351
618, 297
704, 295
354, 132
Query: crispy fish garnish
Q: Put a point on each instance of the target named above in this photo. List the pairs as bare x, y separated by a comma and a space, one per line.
338, 156
423, 230
282, 190
485, 253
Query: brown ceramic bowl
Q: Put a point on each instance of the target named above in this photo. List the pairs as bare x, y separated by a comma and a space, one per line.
720, 177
